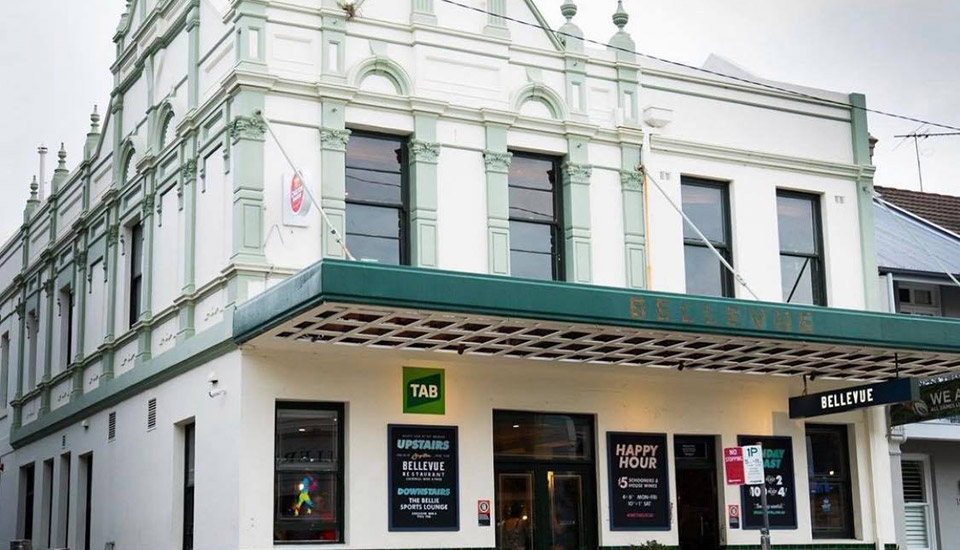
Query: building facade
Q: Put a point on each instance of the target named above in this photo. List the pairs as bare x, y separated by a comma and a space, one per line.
917, 257
345, 275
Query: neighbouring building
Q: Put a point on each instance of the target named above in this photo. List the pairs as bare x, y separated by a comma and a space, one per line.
917, 247
415, 274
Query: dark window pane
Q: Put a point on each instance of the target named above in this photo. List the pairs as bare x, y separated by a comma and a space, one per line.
533, 173
826, 455
307, 438
797, 225
705, 273
375, 249
531, 204
542, 436
531, 237
373, 233
829, 506
374, 170
531, 265
797, 279
831, 510
307, 506
704, 205
308, 474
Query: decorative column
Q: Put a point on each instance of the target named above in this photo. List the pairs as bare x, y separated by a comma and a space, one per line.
247, 133
628, 72
424, 152
80, 294
187, 195
145, 330
496, 24
333, 183
497, 161
422, 12
634, 224
578, 263
21, 364
333, 64
896, 437
576, 63
192, 28
111, 258
861, 157
49, 295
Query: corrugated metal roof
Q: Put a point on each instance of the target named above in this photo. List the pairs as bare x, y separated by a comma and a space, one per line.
907, 243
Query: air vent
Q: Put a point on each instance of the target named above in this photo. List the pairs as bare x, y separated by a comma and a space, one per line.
112, 426
152, 414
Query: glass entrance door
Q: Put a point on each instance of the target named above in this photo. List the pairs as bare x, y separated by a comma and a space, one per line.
545, 501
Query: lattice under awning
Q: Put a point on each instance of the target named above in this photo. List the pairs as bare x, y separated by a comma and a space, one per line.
490, 336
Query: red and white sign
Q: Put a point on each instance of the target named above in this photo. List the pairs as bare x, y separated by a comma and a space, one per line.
483, 513
733, 464
296, 199
733, 512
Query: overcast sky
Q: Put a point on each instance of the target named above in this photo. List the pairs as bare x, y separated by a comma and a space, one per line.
903, 54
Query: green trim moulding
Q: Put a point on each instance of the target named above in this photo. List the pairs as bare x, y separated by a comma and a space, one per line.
434, 290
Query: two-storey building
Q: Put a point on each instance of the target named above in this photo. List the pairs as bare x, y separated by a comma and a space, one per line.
350, 274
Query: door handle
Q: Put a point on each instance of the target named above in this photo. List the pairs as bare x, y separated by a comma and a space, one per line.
702, 531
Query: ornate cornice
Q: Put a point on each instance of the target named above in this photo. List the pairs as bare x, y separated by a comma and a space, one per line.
631, 180
247, 127
577, 173
334, 140
113, 234
189, 169
497, 162
424, 151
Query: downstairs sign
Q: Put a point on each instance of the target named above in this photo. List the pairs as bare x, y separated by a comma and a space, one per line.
859, 397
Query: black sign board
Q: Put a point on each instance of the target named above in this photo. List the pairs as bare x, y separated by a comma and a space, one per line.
781, 497
937, 400
639, 484
859, 397
424, 478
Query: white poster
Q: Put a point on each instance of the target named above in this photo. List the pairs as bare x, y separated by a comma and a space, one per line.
753, 465
295, 199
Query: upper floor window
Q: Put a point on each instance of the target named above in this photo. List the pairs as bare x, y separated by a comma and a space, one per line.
916, 299
376, 195
707, 205
536, 229
33, 332
136, 271
801, 249
65, 304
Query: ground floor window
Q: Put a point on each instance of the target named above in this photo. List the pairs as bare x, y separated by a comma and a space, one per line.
828, 469
27, 479
308, 487
916, 501
545, 481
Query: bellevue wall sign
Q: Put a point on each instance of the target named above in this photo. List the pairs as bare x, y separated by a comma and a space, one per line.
859, 397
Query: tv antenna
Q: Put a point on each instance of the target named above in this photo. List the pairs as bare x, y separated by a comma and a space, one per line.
917, 137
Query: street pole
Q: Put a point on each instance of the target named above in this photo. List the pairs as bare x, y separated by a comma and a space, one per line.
765, 532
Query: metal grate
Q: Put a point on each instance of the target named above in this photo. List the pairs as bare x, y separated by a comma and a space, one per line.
111, 426
152, 413
420, 330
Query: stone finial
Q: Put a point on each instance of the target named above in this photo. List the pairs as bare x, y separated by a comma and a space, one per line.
34, 188
570, 33
569, 10
621, 17
94, 121
622, 42
62, 158
61, 172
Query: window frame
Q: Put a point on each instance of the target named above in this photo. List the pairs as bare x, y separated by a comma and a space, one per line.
188, 538
557, 246
66, 313
404, 207
818, 269
929, 504
726, 248
911, 307
340, 409
845, 480
135, 278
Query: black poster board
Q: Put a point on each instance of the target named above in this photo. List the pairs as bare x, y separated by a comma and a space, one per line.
424, 478
638, 480
781, 485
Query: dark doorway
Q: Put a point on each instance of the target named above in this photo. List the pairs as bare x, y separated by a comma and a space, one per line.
546, 481
697, 503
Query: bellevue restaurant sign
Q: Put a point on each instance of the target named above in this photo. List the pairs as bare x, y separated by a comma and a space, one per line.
424, 478
858, 397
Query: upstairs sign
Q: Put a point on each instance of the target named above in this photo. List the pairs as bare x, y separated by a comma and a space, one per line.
859, 397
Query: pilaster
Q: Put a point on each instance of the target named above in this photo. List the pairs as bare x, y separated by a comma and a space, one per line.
634, 225
144, 331
497, 162
112, 258
193, 54
424, 152
422, 12
578, 263
48, 294
187, 193
80, 294
496, 24
333, 64
250, 20
333, 152
896, 437
865, 192
21, 363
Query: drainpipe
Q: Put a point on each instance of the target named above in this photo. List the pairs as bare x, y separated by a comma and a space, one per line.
891, 294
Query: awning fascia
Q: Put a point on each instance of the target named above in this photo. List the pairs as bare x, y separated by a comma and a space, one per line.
435, 290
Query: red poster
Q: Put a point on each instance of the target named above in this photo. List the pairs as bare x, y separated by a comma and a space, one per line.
733, 464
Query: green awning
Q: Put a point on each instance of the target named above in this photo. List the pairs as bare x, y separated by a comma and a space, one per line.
393, 307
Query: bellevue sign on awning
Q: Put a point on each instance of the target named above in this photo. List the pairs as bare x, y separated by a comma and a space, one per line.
859, 397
